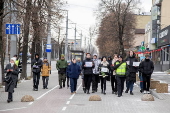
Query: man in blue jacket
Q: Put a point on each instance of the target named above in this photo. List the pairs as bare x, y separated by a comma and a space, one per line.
74, 72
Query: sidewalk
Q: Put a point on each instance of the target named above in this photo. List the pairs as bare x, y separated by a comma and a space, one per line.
55, 100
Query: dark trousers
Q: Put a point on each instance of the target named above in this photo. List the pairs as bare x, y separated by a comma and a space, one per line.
103, 82
62, 78
120, 84
45, 81
36, 78
146, 82
130, 85
95, 81
68, 81
10, 96
87, 81
114, 83
73, 84
16, 82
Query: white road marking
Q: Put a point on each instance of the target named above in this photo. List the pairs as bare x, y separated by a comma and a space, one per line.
68, 102
47, 92
64, 108
13, 109
30, 103
74, 94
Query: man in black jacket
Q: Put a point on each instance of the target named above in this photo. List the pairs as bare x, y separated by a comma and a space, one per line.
146, 68
36, 65
87, 67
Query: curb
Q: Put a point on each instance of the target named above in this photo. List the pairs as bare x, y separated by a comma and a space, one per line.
155, 94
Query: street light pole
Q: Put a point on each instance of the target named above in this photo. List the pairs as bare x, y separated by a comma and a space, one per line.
75, 38
49, 30
66, 39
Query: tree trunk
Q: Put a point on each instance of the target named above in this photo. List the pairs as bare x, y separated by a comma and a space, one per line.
1, 38
26, 37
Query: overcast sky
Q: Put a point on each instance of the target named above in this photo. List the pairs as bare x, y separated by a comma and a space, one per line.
82, 13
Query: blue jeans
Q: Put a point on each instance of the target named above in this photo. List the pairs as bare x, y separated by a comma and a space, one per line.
73, 84
141, 82
130, 85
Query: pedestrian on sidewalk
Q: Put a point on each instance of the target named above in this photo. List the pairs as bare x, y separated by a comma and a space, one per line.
18, 63
95, 76
61, 66
146, 68
45, 72
131, 78
74, 72
141, 79
87, 67
121, 69
113, 76
36, 65
104, 73
110, 71
67, 73
11, 71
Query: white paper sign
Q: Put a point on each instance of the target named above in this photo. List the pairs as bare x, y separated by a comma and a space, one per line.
136, 63
88, 64
103, 69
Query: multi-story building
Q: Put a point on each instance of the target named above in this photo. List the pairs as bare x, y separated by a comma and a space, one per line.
160, 29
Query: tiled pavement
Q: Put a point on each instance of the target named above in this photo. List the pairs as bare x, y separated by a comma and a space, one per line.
55, 100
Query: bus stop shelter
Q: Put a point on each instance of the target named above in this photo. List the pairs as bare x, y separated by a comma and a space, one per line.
77, 54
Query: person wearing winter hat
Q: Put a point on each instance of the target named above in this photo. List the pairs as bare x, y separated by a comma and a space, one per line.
45, 72
146, 68
121, 69
61, 66
36, 65
11, 71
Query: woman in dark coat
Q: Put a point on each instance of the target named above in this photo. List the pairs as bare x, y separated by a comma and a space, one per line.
131, 78
11, 71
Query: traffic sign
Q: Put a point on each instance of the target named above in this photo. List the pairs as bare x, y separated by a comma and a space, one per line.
142, 48
12, 28
48, 47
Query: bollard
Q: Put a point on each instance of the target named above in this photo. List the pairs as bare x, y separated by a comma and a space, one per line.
153, 84
162, 88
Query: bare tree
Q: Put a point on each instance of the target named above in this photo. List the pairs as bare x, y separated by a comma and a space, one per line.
26, 21
121, 9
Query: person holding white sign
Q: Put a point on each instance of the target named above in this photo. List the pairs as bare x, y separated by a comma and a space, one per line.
87, 67
104, 73
133, 68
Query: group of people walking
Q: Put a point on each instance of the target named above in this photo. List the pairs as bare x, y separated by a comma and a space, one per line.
92, 70
12, 71
117, 70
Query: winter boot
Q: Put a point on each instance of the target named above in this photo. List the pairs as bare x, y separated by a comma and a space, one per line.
131, 93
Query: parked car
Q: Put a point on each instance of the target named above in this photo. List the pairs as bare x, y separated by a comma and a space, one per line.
29, 61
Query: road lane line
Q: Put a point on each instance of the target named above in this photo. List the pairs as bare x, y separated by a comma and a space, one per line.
30, 103
47, 92
68, 102
74, 94
13, 109
64, 108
